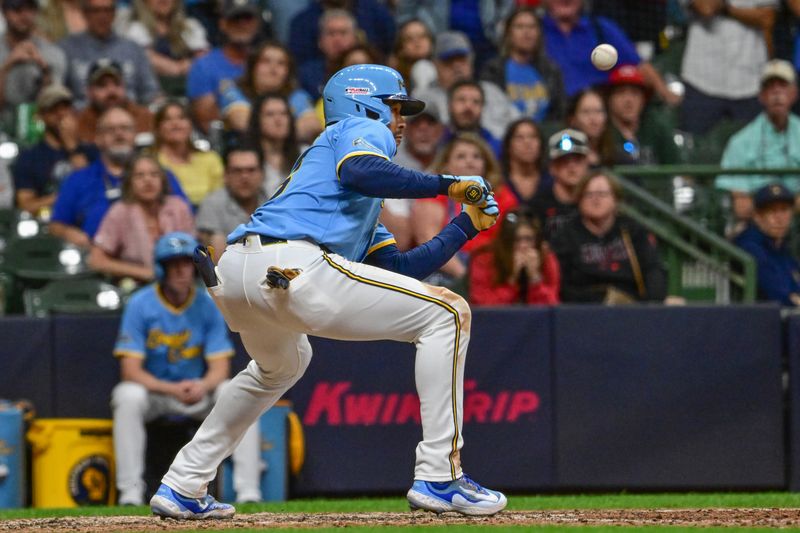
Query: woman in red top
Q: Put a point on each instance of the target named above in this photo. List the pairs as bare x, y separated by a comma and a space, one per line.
521, 166
516, 267
465, 155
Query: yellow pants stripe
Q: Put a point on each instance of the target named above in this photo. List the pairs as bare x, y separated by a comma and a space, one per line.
457, 319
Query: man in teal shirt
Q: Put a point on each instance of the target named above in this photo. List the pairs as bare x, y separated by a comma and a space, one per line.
771, 140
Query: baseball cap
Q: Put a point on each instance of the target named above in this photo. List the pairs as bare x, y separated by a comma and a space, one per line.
778, 69
566, 142
104, 67
231, 8
19, 4
52, 95
626, 75
772, 193
451, 44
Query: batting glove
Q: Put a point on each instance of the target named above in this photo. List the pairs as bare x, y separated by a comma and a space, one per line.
483, 216
472, 190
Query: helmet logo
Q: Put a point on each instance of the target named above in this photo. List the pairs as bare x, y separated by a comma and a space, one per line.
401, 85
356, 90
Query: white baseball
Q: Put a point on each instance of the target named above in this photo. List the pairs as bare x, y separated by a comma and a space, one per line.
604, 57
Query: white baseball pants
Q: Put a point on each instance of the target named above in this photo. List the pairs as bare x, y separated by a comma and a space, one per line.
133, 406
337, 299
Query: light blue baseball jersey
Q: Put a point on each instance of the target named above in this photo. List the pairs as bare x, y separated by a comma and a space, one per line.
175, 343
312, 204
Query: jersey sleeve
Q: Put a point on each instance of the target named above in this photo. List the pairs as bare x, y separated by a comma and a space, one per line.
363, 136
132, 336
382, 237
218, 344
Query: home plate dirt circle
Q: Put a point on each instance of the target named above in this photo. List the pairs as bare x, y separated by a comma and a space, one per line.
604, 517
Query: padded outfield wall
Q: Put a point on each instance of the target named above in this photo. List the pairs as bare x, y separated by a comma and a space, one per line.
571, 397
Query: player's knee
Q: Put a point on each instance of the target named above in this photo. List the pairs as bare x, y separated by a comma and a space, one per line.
220, 388
130, 396
279, 372
455, 304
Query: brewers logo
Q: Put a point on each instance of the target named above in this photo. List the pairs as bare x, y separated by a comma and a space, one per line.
90, 481
473, 194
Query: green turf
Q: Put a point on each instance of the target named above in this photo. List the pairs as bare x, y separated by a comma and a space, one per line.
515, 502
501, 529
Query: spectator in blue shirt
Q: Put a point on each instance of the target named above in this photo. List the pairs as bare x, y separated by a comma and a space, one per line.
373, 18
766, 240
86, 194
529, 78
211, 74
570, 36
480, 20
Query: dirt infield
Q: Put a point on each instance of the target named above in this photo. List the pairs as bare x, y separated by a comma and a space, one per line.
605, 517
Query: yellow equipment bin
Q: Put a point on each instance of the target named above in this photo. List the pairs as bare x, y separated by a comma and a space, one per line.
73, 462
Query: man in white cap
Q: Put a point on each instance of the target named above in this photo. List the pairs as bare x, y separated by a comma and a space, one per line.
771, 140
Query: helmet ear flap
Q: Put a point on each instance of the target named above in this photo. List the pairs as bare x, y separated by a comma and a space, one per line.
158, 268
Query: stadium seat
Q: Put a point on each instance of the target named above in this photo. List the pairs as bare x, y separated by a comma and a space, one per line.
44, 257
708, 148
72, 296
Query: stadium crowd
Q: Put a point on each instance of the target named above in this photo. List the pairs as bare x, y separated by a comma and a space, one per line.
137, 119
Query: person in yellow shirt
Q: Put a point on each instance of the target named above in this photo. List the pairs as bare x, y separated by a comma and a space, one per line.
198, 172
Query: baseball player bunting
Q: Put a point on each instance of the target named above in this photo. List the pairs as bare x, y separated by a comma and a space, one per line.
351, 283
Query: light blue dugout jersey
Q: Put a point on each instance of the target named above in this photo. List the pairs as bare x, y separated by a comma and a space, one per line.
175, 343
312, 204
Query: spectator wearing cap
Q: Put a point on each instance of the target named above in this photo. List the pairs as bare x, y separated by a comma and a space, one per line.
27, 62
39, 170
211, 74
371, 17
554, 204
338, 33
105, 88
640, 137
86, 194
453, 58
726, 48
570, 36
529, 78
101, 41
465, 104
480, 20
421, 140
766, 239
771, 140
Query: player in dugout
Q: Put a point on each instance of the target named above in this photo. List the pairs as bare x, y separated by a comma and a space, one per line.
315, 260
174, 356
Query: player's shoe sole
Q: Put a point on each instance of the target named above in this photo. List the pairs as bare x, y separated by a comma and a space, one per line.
167, 503
461, 496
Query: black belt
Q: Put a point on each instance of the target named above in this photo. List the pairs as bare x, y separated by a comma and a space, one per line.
265, 239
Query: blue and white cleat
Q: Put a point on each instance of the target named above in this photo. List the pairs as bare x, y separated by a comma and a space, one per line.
167, 503
462, 496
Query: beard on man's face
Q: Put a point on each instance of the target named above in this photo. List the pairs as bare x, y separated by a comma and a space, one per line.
120, 155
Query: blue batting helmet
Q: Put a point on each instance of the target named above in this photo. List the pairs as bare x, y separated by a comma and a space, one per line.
366, 91
170, 246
